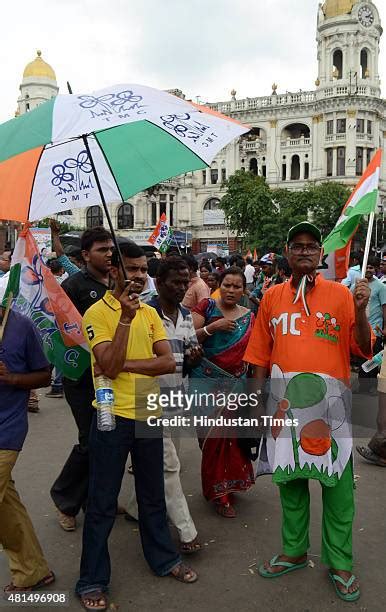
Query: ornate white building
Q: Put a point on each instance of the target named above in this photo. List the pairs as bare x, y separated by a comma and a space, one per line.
328, 133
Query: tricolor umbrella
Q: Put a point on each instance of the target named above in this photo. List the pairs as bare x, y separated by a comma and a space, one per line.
80, 150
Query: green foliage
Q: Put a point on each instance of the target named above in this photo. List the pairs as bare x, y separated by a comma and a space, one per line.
64, 227
262, 216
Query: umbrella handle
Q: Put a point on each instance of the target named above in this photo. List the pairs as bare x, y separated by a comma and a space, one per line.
99, 186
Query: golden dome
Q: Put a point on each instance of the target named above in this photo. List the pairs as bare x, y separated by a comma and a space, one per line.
333, 8
39, 68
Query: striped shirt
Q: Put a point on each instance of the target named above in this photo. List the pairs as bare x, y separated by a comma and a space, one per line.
182, 337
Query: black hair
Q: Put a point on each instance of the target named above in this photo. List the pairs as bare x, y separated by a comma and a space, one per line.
54, 265
221, 260
373, 261
216, 275
94, 234
131, 250
152, 266
165, 266
191, 262
284, 265
206, 266
249, 260
356, 255
236, 271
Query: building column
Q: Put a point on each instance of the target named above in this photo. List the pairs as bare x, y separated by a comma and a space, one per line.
334, 161
351, 143
272, 145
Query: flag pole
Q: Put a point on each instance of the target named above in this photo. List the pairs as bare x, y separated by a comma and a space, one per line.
368, 242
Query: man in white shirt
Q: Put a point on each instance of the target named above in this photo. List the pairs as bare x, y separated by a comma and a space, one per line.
249, 273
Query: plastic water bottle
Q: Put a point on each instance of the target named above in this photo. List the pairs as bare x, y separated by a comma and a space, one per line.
104, 395
373, 363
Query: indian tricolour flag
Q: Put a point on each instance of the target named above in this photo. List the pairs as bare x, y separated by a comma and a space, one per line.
162, 235
38, 295
362, 201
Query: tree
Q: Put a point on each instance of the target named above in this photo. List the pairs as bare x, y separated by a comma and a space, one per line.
263, 216
249, 208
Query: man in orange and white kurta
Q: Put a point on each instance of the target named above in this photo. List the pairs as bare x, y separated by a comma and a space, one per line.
302, 338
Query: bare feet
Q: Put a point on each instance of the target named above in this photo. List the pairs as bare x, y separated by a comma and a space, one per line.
94, 601
279, 568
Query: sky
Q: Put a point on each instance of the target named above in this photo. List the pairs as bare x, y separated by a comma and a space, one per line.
203, 48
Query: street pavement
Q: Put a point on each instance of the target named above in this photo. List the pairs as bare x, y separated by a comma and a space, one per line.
228, 579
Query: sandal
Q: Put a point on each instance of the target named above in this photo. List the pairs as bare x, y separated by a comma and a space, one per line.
225, 510
188, 548
370, 456
345, 596
183, 573
289, 567
95, 597
44, 582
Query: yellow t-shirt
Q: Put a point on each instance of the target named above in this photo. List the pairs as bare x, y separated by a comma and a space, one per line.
100, 322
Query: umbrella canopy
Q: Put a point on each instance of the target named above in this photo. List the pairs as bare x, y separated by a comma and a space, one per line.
116, 142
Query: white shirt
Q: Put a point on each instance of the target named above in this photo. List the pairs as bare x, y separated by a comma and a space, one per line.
249, 273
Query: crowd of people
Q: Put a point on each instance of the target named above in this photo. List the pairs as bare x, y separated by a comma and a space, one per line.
161, 324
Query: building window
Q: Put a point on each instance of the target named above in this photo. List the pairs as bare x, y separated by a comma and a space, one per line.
171, 206
253, 165
359, 162
341, 161
369, 155
65, 213
360, 126
369, 127
223, 175
364, 64
341, 126
284, 172
295, 168
94, 216
337, 68
213, 215
306, 170
154, 219
214, 176
162, 203
330, 157
264, 171
330, 127
126, 216
204, 177
27, 106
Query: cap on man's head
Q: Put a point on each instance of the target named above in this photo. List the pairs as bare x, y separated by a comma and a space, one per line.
304, 228
267, 259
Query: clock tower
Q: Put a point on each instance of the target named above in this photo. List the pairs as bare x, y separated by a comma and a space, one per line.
348, 37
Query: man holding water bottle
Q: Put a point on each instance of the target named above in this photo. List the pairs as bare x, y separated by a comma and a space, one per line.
129, 346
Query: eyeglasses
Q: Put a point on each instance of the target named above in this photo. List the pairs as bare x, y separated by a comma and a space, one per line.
298, 247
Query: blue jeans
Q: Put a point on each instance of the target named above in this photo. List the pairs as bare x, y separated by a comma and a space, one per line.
108, 453
57, 382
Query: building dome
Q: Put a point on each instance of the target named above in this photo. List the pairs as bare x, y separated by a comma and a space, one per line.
333, 8
39, 68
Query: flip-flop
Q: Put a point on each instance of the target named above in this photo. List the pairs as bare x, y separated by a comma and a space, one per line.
94, 596
370, 456
189, 548
44, 582
345, 596
290, 567
183, 572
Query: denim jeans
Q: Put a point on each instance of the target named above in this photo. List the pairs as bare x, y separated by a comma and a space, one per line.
108, 452
57, 381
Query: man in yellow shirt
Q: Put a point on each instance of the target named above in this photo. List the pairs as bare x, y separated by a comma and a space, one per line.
130, 346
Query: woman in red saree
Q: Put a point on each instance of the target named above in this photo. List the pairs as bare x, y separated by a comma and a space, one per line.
223, 328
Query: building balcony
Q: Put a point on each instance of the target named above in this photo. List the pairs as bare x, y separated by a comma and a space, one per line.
287, 99
253, 146
365, 138
299, 143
